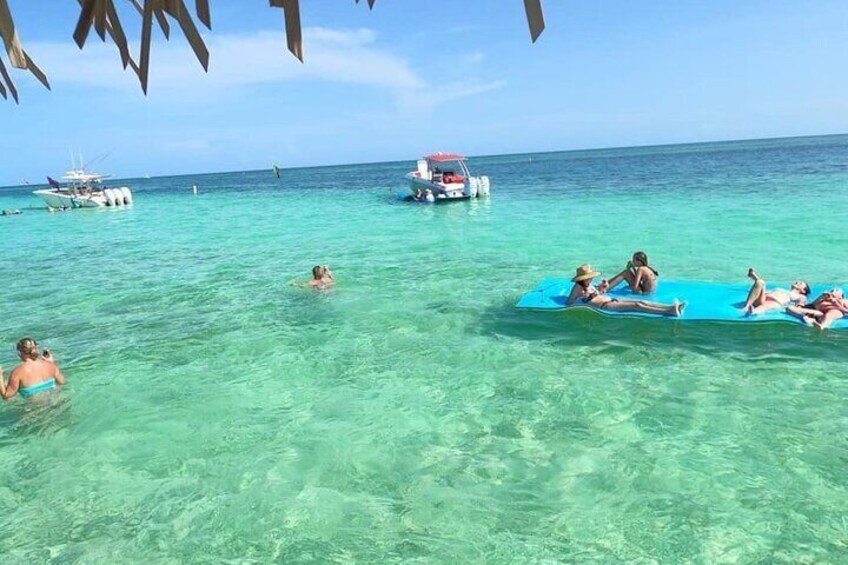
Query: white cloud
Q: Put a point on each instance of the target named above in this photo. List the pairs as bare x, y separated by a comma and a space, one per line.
342, 56
430, 98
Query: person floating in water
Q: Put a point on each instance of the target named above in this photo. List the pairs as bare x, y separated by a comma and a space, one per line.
640, 276
823, 311
584, 292
9, 212
760, 300
322, 277
429, 196
36, 374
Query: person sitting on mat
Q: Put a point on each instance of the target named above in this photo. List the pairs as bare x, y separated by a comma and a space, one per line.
34, 375
823, 311
761, 300
641, 277
584, 292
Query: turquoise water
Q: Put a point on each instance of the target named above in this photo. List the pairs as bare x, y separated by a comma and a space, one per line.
214, 413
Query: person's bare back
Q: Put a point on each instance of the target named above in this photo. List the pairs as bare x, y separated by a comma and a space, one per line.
35, 374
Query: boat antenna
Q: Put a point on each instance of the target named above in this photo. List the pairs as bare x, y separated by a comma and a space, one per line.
100, 158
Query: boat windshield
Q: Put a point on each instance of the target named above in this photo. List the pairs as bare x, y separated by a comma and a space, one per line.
456, 169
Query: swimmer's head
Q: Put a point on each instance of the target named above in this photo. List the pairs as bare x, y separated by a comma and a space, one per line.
641, 258
28, 348
317, 272
802, 287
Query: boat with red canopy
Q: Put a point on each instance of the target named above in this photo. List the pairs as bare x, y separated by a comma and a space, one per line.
443, 177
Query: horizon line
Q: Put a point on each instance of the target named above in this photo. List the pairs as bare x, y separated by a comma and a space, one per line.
545, 152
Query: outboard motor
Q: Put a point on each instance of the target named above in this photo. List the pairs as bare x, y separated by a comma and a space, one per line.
109, 194
423, 170
126, 195
471, 186
483, 186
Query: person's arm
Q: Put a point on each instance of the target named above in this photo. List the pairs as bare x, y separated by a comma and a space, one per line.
9, 390
576, 292
58, 375
637, 281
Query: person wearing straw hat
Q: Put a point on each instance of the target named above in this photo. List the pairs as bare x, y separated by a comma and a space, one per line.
584, 292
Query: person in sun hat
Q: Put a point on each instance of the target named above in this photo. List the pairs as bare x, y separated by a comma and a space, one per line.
585, 293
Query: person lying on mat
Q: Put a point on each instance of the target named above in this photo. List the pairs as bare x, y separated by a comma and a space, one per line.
584, 292
640, 276
760, 300
823, 311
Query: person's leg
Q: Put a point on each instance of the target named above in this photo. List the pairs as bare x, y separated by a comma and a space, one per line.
829, 317
647, 281
625, 275
757, 294
643, 307
766, 306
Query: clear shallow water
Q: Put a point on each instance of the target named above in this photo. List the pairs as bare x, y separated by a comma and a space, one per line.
412, 414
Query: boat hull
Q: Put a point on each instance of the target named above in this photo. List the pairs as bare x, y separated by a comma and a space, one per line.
443, 192
63, 199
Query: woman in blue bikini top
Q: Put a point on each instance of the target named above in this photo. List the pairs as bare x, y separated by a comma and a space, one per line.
35, 374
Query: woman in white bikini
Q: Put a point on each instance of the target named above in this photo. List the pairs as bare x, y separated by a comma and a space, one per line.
641, 277
584, 292
761, 300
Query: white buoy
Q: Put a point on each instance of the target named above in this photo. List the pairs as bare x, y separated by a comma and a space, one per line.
194, 189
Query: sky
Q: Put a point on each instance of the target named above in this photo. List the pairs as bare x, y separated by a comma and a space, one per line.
412, 77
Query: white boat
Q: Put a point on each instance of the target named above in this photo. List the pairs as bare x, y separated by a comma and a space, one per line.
447, 177
83, 190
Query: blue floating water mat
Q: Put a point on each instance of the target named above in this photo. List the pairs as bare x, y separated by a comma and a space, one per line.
706, 301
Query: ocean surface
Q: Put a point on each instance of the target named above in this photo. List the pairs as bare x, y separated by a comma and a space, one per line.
217, 414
